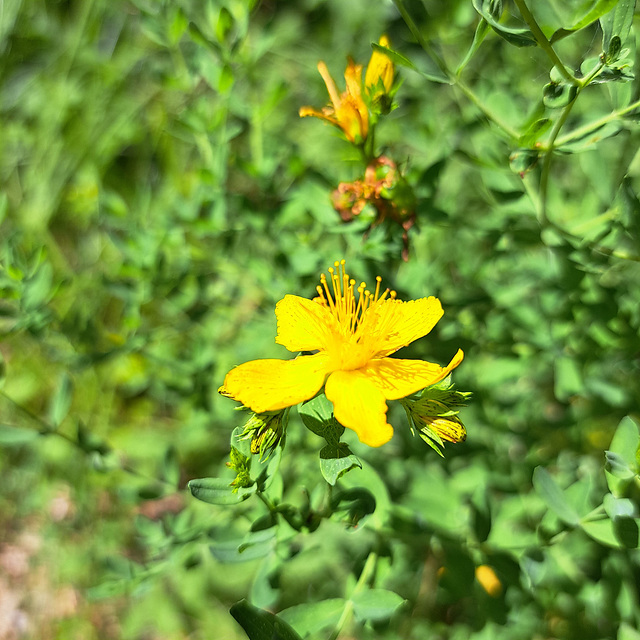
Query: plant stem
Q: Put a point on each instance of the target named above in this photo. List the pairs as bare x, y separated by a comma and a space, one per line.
45, 429
546, 164
544, 42
363, 580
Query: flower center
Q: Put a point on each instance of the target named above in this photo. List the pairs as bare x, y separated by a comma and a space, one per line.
363, 318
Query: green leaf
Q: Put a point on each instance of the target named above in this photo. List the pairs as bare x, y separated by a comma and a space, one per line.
367, 479
568, 379
534, 132
592, 137
521, 161
602, 532
556, 95
260, 624
554, 497
218, 491
622, 512
491, 10
617, 23
336, 460
61, 400
224, 24
481, 32
627, 632
619, 533
617, 466
317, 416
171, 466
626, 440
626, 531
10, 435
376, 604
432, 73
310, 619
583, 20
256, 544
316, 413
264, 471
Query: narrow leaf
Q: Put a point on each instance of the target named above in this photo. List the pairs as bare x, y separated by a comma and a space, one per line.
218, 491
517, 37
61, 401
432, 73
10, 435
554, 497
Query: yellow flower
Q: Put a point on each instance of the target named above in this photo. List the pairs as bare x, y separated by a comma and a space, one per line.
353, 337
488, 580
348, 110
380, 69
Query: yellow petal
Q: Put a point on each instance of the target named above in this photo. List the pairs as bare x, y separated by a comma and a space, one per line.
400, 323
379, 67
304, 325
398, 378
332, 90
270, 385
359, 405
448, 428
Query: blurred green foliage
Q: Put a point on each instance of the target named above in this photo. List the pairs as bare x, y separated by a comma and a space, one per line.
160, 195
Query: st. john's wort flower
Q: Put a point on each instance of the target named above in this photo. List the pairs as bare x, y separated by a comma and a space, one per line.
353, 333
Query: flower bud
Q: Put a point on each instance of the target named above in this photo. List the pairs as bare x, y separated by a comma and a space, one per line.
379, 79
435, 415
266, 431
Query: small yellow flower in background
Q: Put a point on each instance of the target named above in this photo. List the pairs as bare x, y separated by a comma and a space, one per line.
353, 333
379, 77
348, 110
488, 580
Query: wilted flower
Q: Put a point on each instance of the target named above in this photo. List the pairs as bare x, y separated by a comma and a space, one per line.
386, 190
352, 337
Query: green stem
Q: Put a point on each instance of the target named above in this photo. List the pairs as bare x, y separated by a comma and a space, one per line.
363, 580
266, 501
546, 165
586, 129
544, 42
45, 429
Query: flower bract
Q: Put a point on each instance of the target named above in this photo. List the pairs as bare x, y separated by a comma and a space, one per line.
353, 333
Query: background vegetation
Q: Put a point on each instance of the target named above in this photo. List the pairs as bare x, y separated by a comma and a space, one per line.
160, 195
